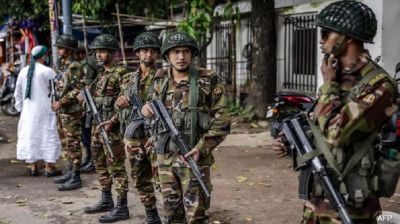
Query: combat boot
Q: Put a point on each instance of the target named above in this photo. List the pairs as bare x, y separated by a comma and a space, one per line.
73, 183
87, 158
105, 204
67, 175
152, 216
120, 212
89, 167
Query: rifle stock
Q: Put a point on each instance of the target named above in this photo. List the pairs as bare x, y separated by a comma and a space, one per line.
298, 140
96, 116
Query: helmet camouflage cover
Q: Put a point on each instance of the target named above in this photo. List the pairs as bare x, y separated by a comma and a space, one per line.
146, 40
350, 18
179, 39
105, 41
66, 41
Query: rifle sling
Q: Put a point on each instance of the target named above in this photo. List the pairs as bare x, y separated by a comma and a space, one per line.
193, 100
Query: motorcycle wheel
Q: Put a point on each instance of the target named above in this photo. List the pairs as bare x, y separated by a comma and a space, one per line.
9, 108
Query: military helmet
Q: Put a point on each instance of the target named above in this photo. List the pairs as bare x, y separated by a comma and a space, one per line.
146, 40
66, 41
179, 39
350, 18
105, 41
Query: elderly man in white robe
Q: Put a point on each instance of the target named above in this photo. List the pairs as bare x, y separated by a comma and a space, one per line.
38, 138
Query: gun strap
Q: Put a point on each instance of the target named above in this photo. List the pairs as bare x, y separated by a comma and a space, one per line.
193, 100
360, 149
308, 156
325, 149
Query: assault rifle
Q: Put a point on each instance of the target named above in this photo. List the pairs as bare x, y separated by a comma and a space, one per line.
297, 140
164, 123
138, 123
52, 91
92, 107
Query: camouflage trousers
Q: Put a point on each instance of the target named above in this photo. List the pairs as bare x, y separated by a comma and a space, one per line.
71, 132
184, 200
141, 172
110, 170
310, 217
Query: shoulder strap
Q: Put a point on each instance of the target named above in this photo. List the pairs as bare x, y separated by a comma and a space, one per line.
193, 101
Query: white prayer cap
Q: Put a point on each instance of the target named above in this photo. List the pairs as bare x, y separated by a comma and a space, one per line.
38, 51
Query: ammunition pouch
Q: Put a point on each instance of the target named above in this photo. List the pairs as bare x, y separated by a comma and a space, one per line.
105, 106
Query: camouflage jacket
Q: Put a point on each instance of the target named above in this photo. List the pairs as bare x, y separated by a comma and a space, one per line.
132, 83
347, 115
214, 121
105, 90
89, 69
69, 85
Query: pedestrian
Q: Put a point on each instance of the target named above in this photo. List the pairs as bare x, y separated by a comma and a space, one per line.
69, 110
355, 100
37, 128
197, 103
105, 90
146, 46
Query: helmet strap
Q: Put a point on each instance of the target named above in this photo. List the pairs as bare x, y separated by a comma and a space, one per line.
338, 44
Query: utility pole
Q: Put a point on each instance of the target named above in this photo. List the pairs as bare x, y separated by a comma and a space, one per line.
67, 17
54, 31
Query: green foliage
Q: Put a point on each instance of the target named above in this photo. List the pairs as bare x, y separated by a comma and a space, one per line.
198, 20
237, 110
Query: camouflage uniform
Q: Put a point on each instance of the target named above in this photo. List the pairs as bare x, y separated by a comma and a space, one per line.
183, 197
141, 162
348, 114
105, 91
90, 69
70, 112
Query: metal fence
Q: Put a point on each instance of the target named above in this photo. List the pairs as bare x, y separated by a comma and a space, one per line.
300, 53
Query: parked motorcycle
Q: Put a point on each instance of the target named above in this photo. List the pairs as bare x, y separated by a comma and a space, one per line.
7, 100
286, 104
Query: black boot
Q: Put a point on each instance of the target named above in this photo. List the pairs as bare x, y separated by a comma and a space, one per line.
104, 205
67, 175
73, 183
88, 168
120, 212
152, 216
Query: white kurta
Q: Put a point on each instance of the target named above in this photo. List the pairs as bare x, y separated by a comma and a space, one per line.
37, 129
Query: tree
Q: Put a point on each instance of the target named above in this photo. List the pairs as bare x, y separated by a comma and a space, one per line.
263, 83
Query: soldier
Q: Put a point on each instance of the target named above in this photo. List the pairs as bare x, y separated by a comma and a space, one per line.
146, 46
357, 97
105, 90
90, 73
70, 111
197, 103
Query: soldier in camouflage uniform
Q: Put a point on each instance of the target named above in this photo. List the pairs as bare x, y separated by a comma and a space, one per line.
146, 46
70, 111
356, 99
90, 73
204, 126
105, 89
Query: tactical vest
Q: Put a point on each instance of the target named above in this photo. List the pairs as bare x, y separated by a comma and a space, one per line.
106, 88
195, 121
66, 84
133, 87
358, 169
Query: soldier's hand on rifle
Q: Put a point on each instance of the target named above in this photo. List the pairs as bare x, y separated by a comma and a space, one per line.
106, 124
55, 105
328, 68
279, 147
147, 111
122, 101
194, 153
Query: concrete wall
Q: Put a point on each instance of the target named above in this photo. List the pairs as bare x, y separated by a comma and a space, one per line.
390, 34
